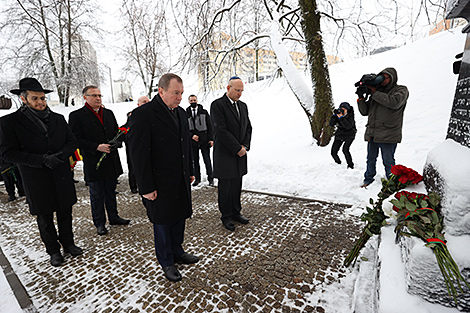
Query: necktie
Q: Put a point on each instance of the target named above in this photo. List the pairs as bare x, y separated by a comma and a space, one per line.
235, 105
194, 113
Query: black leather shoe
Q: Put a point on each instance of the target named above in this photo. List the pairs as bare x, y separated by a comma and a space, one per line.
229, 225
196, 182
101, 230
12, 198
119, 221
73, 250
57, 259
242, 220
134, 190
211, 183
187, 258
172, 273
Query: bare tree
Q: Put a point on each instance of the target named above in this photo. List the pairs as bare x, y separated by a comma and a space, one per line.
281, 23
44, 39
145, 26
355, 23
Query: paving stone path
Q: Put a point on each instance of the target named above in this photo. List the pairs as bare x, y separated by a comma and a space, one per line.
292, 249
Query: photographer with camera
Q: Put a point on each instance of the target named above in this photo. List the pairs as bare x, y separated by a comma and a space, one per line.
383, 101
345, 132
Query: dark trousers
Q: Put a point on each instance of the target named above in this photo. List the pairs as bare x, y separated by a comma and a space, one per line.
337, 145
168, 240
10, 182
388, 157
103, 193
229, 194
206, 156
48, 231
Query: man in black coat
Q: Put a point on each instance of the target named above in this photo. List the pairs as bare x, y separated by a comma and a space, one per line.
160, 150
200, 126
232, 129
40, 142
130, 173
94, 127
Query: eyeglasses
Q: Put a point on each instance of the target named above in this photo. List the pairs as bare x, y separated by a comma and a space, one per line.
94, 96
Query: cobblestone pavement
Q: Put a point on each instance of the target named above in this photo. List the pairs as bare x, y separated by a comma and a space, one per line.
292, 249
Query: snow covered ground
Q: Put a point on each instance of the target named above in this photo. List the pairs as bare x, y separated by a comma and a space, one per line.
285, 160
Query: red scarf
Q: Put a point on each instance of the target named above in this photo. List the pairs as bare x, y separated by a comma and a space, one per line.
99, 115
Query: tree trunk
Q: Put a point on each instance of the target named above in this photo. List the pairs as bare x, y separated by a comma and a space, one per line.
319, 122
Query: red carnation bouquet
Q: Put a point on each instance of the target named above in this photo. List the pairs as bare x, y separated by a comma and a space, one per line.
121, 131
400, 178
419, 215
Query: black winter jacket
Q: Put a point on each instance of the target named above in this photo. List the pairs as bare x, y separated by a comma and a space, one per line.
346, 125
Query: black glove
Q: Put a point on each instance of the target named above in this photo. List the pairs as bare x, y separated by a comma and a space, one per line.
115, 145
360, 94
52, 160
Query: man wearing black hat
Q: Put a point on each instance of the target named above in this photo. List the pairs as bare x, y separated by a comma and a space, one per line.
40, 142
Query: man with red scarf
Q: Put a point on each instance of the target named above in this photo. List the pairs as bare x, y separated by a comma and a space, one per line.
94, 126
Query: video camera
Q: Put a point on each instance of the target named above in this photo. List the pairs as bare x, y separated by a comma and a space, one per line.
367, 80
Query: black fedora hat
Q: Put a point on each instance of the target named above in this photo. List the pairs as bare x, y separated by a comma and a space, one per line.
31, 84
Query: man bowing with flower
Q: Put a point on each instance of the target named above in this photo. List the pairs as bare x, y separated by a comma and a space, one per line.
95, 128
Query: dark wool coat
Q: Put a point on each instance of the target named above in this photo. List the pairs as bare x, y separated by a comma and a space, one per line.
23, 143
90, 134
230, 133
200, 126
385, 111
346, 125
160, 154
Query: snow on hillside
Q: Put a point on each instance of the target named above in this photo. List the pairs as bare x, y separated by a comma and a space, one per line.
284, 159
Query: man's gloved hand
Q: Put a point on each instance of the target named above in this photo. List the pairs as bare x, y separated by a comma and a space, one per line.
52, 160
360, 94
115, 145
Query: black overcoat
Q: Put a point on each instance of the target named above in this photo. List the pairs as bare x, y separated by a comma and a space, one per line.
160, 153
90, 134
23, 143
230, 133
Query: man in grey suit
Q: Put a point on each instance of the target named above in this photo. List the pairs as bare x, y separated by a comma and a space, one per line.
232, 137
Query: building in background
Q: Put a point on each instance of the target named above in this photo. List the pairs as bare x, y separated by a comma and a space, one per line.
83, 70
446, 25
251, 64
122, 90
